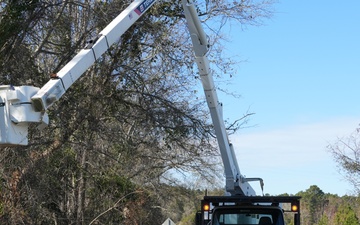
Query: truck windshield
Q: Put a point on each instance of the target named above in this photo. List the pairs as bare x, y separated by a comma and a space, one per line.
251, 216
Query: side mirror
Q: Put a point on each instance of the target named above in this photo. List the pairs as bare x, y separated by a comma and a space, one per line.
198, 218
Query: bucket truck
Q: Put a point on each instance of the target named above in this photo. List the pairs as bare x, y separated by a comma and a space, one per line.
242, 206
22, 105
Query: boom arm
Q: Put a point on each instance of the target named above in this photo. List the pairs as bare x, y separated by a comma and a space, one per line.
56, 87
236, 184
20, 106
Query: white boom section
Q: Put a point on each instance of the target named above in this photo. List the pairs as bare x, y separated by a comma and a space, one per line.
55, 88
236, 184
22, 105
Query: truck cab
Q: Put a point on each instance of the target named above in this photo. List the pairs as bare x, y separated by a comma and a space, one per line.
247, 210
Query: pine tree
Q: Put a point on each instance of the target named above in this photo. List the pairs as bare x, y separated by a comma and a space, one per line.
346, 216
324, 220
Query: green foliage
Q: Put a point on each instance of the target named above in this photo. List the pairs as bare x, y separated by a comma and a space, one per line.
13, 19
188, 219
314, 200
14, 16
324, 220
110, 183
328, 209
346, 216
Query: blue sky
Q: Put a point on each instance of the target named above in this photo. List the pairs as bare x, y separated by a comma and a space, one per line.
301, 78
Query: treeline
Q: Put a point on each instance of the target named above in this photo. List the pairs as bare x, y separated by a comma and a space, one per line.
319, 208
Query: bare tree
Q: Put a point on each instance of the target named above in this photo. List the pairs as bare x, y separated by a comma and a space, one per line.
346, 152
